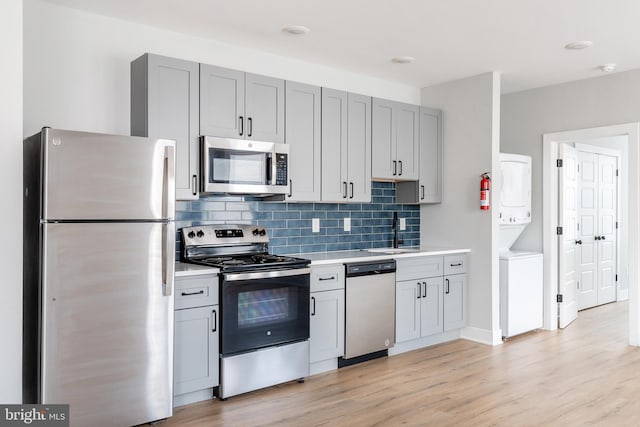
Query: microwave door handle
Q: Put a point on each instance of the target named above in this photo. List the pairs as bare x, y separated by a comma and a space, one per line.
269, 166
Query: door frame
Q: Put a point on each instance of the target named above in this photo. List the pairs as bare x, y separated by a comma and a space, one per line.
550, 143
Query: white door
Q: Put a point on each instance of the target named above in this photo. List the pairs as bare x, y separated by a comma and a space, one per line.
607, 217
587, 248
568, 307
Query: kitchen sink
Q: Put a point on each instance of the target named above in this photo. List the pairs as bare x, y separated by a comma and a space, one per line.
391, 250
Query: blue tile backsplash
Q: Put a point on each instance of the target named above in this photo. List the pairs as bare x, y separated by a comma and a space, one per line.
289, 224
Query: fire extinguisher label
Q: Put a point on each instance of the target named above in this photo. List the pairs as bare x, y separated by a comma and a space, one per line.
484, 199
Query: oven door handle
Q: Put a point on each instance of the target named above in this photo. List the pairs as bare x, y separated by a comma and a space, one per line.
272, 274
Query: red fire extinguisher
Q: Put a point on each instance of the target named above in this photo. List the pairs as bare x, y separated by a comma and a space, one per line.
485, 190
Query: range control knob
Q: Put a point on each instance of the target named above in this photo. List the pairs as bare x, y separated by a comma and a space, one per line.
191, 235
263, 232
256, 232
200, 233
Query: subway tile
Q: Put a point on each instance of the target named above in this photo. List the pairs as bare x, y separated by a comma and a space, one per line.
338, 246
277, 241
239, 206
285, 232
361, 214
372, 207
248, 216
326, 239
337, 215
286, 215
285, 250
329, 223
351, 238
313, 214
300, 206
299, 223
267, 206
391, 192
350, 206
223, 215
304, 240
326, 206
281, 223
313, 248
358, 245
263, 215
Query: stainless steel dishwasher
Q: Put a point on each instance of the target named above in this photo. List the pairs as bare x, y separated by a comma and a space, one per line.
370, 300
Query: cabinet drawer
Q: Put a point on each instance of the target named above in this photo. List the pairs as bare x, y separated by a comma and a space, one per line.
327, 278
196, 291
455, 264
419, 267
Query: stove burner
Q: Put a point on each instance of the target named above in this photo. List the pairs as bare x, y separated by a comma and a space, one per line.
267, 258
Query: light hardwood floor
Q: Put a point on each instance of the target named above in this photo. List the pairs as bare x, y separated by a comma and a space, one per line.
584, 375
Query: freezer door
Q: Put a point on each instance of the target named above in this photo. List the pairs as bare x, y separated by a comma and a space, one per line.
94, 176
107, 332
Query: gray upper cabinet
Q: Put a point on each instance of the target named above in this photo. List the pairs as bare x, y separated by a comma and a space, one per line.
235, 104
428, 189
395, 140
222, 102
302, 134
165, 104
346, 147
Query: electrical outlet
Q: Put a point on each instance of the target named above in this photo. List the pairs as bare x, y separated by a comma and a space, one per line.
403, 224
347, 224
315, 225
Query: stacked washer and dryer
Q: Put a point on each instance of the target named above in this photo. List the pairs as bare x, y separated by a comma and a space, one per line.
521, 283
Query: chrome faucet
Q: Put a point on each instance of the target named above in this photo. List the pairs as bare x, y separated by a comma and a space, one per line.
395, 226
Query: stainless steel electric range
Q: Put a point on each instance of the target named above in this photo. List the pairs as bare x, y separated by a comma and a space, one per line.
264, 306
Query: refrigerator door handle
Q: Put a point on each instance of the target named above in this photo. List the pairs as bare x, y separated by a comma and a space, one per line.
168, 258
168, 182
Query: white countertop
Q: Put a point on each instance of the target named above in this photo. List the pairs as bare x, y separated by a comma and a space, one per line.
337, 257
185, 269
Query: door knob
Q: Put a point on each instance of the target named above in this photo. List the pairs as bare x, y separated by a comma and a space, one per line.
602, 238
578, 242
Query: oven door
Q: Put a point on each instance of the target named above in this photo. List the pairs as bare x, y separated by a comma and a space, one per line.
245, 167
265, 308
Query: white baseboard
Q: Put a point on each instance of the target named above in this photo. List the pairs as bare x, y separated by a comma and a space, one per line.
623, 294
482, 336
323, 366
403, 347
196, 396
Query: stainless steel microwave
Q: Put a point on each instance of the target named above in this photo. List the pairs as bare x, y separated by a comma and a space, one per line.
238, 166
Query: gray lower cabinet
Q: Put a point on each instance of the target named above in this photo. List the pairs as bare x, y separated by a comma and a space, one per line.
395, 140
326, 313
165, 104
196, 339
428, 188
346, 147
455, 301
235, 104
302, 134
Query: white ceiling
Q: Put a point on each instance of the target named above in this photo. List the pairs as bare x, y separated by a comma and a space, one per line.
450, 39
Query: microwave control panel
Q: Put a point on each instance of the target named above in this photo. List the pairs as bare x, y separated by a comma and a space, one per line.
282, 176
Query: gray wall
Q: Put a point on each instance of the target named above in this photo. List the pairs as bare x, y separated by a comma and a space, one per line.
470, 110
525, 116
11, 225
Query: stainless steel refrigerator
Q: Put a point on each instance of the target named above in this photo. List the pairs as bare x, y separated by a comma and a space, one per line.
99, 252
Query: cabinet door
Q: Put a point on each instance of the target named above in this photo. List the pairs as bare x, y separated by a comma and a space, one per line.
264, 108
165, 104
196, 349
359, 148
334, 145
431, 307
302, 132
222, 102
407, 141
430, 185
326, 325
455, 301
383, 139
408, 297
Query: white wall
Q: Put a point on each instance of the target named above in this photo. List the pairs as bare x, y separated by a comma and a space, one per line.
11, 224
471, 125
525, 116
77, 68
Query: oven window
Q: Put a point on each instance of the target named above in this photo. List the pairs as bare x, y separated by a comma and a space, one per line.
265, 306
237, 167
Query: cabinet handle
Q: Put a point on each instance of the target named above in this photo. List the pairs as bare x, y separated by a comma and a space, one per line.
351, 185
395, 168
327, 278
241, 125
194, 184
456, 265
290, 188
344, 189
447, 291
313, 299
184, 294
215, 321
422, 192
400, 163
419, 290
425, 290
250, 126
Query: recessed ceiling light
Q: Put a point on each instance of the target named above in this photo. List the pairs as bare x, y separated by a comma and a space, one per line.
582, 44
296, 30
607, 68
403, 59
